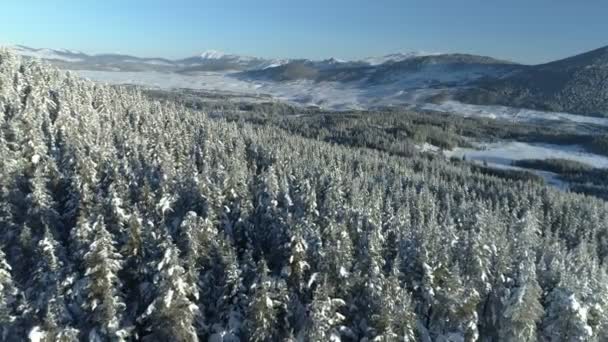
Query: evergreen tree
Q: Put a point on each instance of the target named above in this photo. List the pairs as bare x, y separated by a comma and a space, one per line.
173, 313
297, 266
8, 292
261, 318
396, 320
325, 316
103, 302
523, 311
46, 292
566, 318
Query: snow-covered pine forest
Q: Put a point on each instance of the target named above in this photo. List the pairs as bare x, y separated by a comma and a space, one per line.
125, 219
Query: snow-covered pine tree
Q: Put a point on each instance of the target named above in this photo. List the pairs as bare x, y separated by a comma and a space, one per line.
523, 310
298, 267
222, 297
261, 318
8, 293
102, 300
173, 313
574, 305
191, 245
396, 320
46, 290
566, 318
325, 317
337, 258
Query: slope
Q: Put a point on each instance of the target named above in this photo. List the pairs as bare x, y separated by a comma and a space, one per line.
577, 84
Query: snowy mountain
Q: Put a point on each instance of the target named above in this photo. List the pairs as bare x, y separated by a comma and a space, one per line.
77, 60
213, 54
577, 84
49, 54
213, 60
411, 72
210, 60
395, 57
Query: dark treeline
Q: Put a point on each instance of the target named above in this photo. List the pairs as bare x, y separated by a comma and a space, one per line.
580, 177
126, 219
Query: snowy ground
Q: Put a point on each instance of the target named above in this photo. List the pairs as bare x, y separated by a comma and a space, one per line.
511, 113
167, 80
504, 153
327, 95
501, 156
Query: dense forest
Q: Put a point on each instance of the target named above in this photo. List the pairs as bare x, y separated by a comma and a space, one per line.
403, 132
126, 219
389, 129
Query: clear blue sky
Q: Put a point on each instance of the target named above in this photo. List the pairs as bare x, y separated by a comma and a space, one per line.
526, 31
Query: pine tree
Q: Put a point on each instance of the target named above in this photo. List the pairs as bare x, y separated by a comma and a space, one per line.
523, 310
262, 314
46, 291
103, 302
192, 245
337, 258
173, 313
8, 292
222, 292
566, 318
297, 266
396, 320
325, 317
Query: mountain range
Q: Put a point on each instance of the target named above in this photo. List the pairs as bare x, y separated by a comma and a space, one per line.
207, 61
576, 84
436, 70
210, 60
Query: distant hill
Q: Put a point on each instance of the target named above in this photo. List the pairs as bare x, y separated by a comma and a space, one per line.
445, 69
327, 70
442, 69
577, 84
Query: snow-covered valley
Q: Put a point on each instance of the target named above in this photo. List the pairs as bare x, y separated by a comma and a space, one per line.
412, 91
502, 155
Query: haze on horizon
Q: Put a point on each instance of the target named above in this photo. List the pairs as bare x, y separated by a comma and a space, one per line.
519, 30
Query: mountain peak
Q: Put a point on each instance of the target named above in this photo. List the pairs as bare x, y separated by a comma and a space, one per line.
213, 54
397, 57
333, 60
